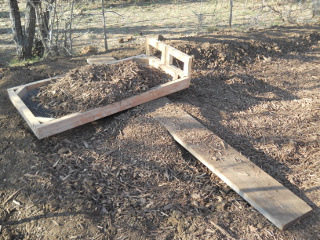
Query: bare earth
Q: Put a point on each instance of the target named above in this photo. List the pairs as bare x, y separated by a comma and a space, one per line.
124, 177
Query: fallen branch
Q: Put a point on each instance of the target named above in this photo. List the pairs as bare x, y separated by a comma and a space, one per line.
224, 232
11, 196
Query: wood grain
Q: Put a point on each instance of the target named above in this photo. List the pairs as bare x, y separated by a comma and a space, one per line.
31, 120
268, 196
73, 120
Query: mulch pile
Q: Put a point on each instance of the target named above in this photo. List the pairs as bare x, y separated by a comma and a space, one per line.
93, 86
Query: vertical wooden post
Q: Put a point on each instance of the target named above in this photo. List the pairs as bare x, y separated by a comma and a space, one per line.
230, 16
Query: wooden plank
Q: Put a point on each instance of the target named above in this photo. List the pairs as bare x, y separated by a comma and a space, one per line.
268, 196
162, 47
186, 59
111, 60
44, 119
100, 59
178, 54
73, 120
21, 91
172, 70
33, 85
23, 110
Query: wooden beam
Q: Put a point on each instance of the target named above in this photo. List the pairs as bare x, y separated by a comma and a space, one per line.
268, 196
31, 120
73, 120
162, 47
44, 119
105, 59
169, 69
21, 91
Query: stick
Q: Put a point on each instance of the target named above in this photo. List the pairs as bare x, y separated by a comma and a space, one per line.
11, 196
224, 232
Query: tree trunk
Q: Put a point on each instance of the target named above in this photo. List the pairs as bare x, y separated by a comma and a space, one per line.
16, 27
42, 30
24, 38
230, 16
70, 27
30, 28
104, 27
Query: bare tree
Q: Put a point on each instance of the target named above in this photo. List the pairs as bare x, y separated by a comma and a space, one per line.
23, 36
36, 18
104, 27
70, 25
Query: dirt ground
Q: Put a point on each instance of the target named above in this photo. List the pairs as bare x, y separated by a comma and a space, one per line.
124, 177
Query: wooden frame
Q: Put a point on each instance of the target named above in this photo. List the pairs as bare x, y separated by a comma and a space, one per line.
45, 127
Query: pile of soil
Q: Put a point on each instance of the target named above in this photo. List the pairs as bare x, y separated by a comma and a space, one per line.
212, 52
93, 86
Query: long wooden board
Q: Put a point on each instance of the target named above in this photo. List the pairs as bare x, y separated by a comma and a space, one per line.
77, 119
268, 196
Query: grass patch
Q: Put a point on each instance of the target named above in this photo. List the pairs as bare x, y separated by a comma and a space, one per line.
19, 63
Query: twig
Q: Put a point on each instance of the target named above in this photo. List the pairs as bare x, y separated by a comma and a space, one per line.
116, 13
11, 196
224, 232
121, 183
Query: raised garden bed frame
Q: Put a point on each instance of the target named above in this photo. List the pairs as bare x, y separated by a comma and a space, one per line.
45, 127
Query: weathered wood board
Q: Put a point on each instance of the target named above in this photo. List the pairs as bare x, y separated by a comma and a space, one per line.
268, 196
100, 59
45, 127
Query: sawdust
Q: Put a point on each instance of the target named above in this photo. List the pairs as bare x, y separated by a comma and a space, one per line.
93, 86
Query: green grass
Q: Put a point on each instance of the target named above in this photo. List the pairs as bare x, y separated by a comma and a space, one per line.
19, 63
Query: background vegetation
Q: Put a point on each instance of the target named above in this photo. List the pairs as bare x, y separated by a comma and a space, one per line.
74, 26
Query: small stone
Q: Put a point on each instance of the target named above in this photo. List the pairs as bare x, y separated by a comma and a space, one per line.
259, 225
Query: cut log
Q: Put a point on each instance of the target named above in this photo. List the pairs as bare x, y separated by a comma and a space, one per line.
268, 196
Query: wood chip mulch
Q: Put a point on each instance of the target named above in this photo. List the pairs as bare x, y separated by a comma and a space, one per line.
93, 86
